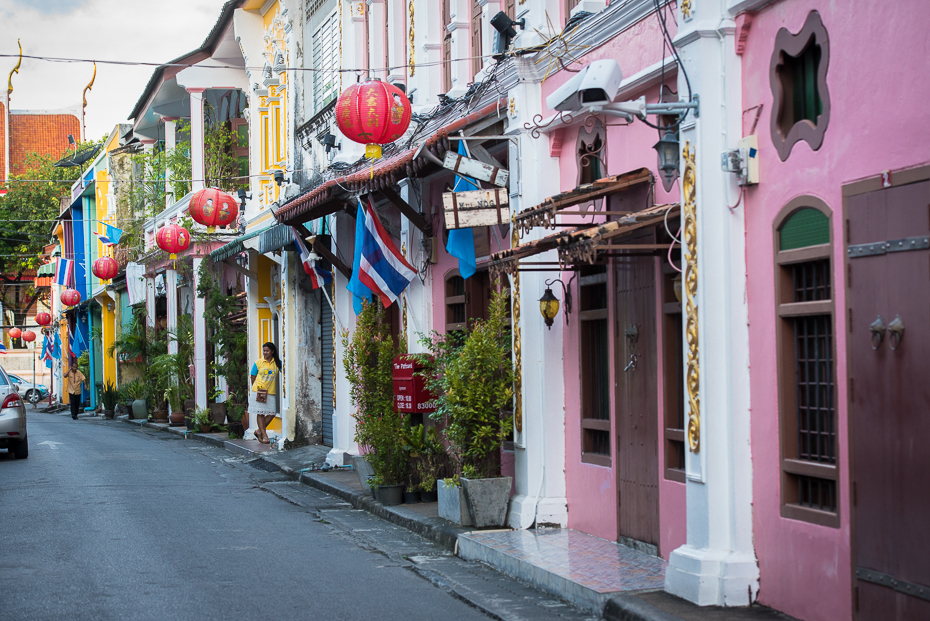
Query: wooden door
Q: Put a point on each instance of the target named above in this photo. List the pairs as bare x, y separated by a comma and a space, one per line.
889, 400
635, 397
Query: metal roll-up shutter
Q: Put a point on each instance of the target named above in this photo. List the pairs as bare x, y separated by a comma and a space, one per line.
326, 351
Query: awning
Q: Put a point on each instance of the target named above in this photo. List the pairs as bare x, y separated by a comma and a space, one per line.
587, 244
326, 198
235, 246
544, 214
274, 237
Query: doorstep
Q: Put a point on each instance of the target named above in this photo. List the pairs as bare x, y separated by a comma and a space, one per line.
582, 569
249, 448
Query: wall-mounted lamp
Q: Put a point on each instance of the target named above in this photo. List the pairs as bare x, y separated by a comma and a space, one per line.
279, 178
329, 143
243, 197
667, 148
505, 32
549, 304
71, 139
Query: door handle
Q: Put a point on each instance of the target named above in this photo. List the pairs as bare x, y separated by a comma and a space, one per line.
877, 328
896, 328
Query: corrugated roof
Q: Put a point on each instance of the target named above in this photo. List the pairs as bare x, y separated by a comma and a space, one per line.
235, 246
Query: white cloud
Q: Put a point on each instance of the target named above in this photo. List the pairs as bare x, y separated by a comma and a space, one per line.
124, 30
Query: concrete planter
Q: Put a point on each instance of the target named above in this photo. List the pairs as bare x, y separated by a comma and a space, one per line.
452, 504
140, 409
362, 469
487, 500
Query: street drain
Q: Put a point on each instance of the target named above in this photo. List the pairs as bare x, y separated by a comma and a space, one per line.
261, 464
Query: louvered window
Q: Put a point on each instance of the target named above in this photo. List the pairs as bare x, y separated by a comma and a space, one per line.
326, 62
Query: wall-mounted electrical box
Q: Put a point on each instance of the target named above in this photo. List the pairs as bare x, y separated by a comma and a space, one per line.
743, 161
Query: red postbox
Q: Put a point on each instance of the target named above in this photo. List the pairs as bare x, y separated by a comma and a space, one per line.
410, 392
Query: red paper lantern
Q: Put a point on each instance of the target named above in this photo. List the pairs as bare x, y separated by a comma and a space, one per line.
15, 333
70, 297
212, 208
29, 336
43, 319
173, 239
105, 268
373, 113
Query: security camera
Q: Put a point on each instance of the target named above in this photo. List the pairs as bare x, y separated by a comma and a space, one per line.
595, 85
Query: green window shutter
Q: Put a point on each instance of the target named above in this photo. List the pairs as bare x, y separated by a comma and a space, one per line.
805, 227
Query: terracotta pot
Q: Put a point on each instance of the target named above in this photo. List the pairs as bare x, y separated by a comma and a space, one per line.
160, 416
176, 419
205, 428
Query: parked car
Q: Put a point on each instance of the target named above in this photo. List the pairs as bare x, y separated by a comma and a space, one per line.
33, 393
12, 418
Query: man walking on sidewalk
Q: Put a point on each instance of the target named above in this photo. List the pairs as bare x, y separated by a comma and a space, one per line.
75, 379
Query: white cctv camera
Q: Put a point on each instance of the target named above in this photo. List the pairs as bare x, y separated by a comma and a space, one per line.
595, 85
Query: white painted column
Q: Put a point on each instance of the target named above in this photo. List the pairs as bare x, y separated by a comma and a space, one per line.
253, 330
197, 146
200, 342
429, 30
171, 286
419, 294
170, 144
150, 301
376, 43
717, 565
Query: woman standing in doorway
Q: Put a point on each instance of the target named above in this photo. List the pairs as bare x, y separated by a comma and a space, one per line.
263, 401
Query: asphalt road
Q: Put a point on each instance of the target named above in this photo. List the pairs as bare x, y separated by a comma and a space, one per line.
106, 520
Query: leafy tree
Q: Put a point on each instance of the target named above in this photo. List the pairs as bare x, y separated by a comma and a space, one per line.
27, 214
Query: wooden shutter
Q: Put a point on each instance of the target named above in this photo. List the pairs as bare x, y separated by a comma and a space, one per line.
510, 8
446, 47
476, 61
240, 129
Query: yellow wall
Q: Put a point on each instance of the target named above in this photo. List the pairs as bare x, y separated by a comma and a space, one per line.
108, 319
266, 268
272, 112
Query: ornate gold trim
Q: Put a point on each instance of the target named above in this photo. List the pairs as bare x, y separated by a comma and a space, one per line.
334, 346
411, 49
517, 345
9, 82
686, 9
693, 377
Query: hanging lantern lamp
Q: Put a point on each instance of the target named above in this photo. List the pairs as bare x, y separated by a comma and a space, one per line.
373, 113
29, 336
173, 239
70, 297
669, 158
212, 208
105, 268
43, 319
15, 333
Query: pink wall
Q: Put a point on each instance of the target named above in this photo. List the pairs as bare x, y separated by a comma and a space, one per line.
591, 490
879, 121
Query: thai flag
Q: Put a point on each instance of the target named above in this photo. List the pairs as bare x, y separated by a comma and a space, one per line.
318, 276
64, 272
47, 348
2, 349
378, 267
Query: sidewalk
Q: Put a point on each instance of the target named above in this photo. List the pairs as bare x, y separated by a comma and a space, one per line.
597, 575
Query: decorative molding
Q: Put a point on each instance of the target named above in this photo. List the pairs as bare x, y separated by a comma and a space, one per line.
411, 48
693, 376
517, 343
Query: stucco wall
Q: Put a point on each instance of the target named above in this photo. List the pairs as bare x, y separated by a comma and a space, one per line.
879, 121
591, 490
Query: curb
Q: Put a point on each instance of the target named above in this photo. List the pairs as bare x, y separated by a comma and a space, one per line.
437, 530
628, 607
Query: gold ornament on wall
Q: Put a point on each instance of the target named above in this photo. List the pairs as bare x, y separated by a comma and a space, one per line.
693, 376
686, 9
411, 49
517, 345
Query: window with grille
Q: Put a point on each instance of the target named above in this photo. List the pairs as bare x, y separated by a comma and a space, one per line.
466, 300
326, 62
594, 349
807, 374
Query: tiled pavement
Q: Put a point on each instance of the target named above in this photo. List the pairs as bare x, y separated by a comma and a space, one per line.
584, 569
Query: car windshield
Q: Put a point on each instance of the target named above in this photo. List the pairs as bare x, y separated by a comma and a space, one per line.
4, 381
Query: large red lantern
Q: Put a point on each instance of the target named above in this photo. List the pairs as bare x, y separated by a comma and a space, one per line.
29, 336
43, 319
15, 333
105, 268
373, 113
212, 208
173, 239
70, 297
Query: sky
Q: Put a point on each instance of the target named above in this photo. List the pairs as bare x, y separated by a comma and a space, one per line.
134, 30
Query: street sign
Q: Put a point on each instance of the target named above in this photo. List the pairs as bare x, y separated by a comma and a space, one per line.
476, 208
468, 167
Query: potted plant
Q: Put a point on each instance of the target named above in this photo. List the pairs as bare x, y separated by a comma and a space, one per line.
379, 430
173, 370
110, 398
203, 422
136, 392
430, 465
474, 384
